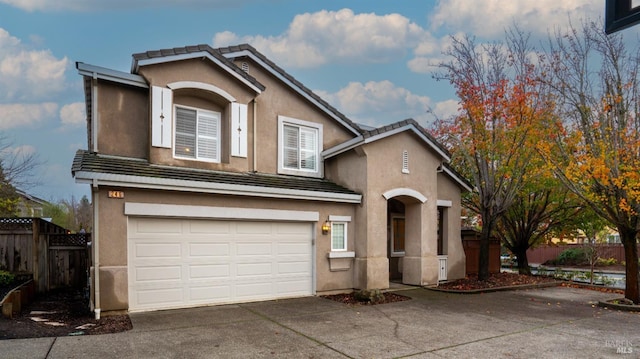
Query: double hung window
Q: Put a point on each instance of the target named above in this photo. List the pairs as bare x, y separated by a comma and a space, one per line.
338, 236
197, 134
299, 147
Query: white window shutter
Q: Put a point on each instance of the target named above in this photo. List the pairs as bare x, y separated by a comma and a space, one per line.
238, 130
161, 116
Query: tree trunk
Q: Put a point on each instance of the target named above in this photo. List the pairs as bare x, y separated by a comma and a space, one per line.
483, 253
629, 241
523, 261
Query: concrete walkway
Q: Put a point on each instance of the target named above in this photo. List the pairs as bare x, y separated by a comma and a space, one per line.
553, 322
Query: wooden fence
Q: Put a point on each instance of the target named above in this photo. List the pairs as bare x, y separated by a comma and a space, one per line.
52, 256
471, 245
542, 254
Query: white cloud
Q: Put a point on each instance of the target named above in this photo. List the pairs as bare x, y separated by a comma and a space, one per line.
19, 151
28, 74
489, 18
446, 109
26, 115
73, 114
95, 5
379, 103
314, 39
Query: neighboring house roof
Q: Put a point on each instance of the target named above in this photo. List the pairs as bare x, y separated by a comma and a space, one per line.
31, 198
128, 172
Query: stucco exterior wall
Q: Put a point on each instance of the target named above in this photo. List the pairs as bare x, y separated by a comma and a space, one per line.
375, 169
276, 100
123, 120
113, 224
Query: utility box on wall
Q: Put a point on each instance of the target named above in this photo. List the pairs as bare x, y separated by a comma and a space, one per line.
471, 245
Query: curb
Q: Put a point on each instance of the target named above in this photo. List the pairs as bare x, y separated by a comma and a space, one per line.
622, 307
496, 289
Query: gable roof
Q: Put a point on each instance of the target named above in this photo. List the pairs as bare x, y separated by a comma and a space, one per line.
372, 135
246, 50
192, 52
138, 173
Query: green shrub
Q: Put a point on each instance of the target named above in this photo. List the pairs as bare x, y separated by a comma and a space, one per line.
573, 256
6, 278
606, 262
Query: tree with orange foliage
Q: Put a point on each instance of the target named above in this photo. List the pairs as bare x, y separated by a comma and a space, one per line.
491, 140
596, 148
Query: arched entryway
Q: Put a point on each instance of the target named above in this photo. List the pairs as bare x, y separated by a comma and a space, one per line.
404, 234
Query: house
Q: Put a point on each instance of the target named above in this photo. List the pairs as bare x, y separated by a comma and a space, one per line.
29, 205
217, 177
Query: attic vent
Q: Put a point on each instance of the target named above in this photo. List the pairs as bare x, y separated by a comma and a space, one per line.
245, 67
405, 161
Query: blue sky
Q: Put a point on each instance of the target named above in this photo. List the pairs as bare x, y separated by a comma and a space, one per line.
373, 60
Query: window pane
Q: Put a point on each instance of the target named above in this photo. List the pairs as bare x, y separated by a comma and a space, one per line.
338, 236
208, 136
290, 148
185, 132
308, 149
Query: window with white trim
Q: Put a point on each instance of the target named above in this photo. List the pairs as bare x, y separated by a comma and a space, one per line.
197, 134
299, 147
338, 236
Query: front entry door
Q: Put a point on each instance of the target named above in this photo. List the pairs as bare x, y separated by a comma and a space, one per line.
396, 248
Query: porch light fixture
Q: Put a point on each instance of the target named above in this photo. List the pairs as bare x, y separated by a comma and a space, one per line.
326, 227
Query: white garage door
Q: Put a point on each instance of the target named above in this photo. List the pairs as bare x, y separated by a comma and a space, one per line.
176, 263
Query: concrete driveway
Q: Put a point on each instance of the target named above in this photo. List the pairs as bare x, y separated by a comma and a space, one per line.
555, 322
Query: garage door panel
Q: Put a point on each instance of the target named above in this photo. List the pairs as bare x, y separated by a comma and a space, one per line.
209, 271
160, 298
209, 227
254, 227
301, 268
257, 290
206, 294
153, 249
158, 273
213, 262
254, 269
292, 228
254, 249
158, 226
289, 248
209, 249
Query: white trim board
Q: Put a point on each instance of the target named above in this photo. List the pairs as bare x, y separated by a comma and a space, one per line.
227, 213
405, 192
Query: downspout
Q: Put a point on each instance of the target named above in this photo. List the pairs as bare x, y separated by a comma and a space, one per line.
96, 251
255, 131
94, 113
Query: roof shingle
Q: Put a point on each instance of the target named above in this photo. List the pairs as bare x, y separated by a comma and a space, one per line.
86, 161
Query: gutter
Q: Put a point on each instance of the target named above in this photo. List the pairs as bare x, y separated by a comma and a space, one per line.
129, 181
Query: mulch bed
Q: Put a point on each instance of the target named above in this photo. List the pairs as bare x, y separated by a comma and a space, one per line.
60, 313
349, 298
497, 280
